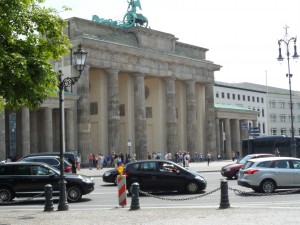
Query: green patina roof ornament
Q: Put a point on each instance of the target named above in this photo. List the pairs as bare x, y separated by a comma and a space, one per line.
130, 19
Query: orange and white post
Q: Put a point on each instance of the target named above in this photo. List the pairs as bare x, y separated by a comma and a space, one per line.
122, 187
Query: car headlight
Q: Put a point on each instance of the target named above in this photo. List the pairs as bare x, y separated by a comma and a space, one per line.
107, 173
227, 169
199, 178
88, 180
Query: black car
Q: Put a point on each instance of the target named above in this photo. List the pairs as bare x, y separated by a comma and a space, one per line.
27, 179
162, 175
51, 160
70, 156
110, 176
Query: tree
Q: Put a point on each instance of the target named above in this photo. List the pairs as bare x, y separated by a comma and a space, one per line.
30, 37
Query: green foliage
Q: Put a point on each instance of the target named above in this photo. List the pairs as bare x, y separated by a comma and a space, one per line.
30, 36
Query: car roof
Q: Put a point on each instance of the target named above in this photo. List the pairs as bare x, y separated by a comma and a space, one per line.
24, 163
43, 156
272, 158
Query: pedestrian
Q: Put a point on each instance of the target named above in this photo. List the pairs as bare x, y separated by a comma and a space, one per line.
91, 161
187, 158
276, 152
232, 155
208, 156
78, 159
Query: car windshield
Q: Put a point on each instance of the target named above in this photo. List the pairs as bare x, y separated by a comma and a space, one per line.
247, 165
244, 159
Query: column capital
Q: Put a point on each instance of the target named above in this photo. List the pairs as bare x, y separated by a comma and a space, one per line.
112, 70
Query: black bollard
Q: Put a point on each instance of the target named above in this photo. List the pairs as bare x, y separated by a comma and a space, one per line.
134, 189
48, 198
224, 203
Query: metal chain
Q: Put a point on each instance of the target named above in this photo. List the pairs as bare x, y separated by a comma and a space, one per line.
178, 199
253, 193
21, 201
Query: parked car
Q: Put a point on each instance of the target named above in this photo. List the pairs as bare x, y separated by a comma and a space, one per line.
232, 170
28, 179
51, 160
162, 175
268, 174
70, 156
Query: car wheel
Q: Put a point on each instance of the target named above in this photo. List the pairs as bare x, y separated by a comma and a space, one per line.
116, 181
74, 193
6, 195
236, 175
192, 187
268, 186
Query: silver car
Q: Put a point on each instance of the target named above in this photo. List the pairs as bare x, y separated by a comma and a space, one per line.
267, 174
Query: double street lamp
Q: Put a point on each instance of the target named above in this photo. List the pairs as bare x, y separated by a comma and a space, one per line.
286, 41
80, 58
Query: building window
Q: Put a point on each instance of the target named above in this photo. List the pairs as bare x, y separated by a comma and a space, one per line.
248, 98
122, 109
262, 100
93, 108
223, 95
262, 113
273, 131
283, 131
148, 112
257, 99
217, 94
253, 99
298, 119
282, 118
258, 110
228, 95
264, 128
281, 105
239, 97
244, 97
273, 118
233, 96
272, 104
290, 118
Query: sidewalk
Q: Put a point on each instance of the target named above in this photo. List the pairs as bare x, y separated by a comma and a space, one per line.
214, 166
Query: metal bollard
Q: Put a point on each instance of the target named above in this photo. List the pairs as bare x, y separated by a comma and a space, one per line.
134, 189
48, 198
224, 203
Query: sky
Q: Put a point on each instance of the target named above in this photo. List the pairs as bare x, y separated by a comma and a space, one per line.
241, 35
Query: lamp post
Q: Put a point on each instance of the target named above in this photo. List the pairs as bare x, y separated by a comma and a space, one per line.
80, 57
286, 41
129, 145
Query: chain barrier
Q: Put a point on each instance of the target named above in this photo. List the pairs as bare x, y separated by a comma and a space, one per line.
22, 201
178, 199
236, 191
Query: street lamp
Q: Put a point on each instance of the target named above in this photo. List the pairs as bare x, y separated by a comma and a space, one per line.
80, 57
129, 145
287, 40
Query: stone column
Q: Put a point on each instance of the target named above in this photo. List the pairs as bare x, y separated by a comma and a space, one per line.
237, 136
191, 117
2, 136
113, 110
218, 137
25, 131
48, 130
140, 117
33, 132
83, 116
171, 117
69, 130
210, 117
227, 139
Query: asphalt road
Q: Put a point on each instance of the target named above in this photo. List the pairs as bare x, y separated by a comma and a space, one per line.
105, 196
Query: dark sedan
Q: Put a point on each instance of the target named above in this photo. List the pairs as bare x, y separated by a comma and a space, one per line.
110, 176
162, 175
22, 179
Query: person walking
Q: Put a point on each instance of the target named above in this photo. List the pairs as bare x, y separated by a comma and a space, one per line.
78, 159
208, 155
232, 155
91, 161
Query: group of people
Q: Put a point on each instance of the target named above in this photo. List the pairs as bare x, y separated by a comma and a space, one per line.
110, 160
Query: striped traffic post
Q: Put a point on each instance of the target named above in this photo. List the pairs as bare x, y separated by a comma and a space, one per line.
122, 187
